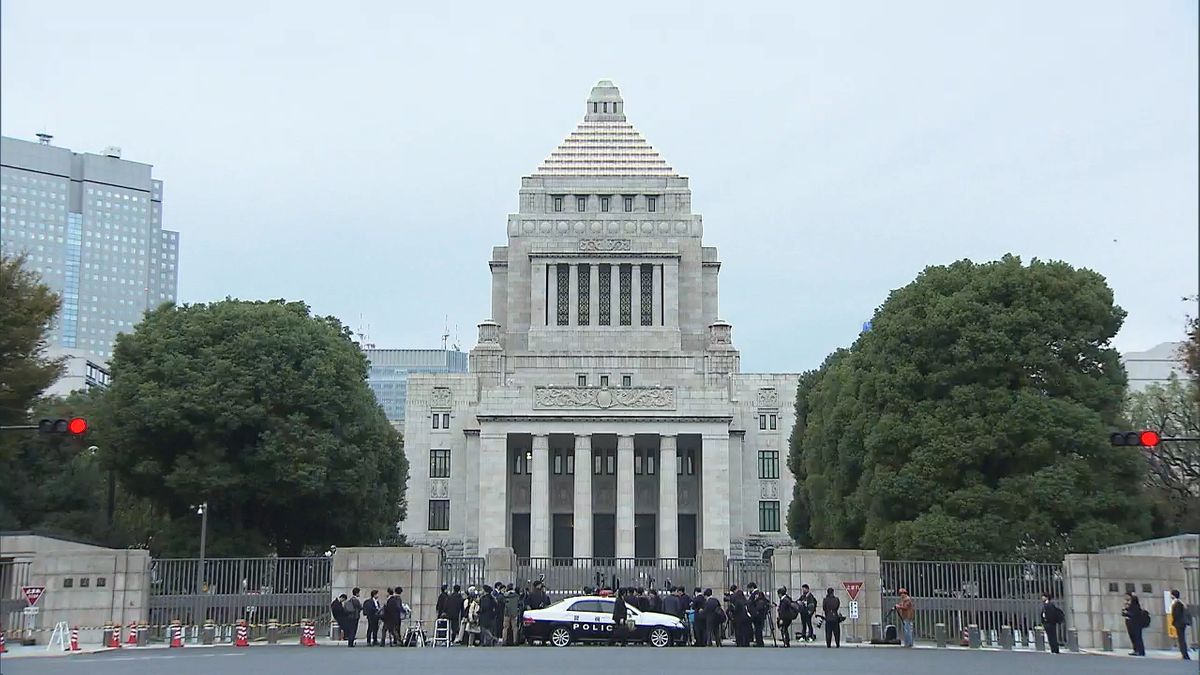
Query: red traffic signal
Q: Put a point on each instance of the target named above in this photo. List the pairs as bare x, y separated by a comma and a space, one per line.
1146, 438
76, 426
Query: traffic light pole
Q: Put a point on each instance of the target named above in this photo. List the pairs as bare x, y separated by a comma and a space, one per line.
18, 427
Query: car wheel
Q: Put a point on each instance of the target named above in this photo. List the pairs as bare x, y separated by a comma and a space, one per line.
560, 636
660, 637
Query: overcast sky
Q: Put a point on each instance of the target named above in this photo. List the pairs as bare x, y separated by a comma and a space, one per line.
363, 157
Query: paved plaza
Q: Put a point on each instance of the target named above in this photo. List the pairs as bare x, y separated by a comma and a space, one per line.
599, 660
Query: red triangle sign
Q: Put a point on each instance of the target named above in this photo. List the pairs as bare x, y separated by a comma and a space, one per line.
852, 588
33, 593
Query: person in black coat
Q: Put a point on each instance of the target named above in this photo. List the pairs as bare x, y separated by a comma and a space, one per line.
739, 616
537, 598
712, 618
673, 604
455, 608
488, 611
758, 606
1052, 618
353, 608
1135, 622
338, 610
700, 626
439, 609
1179, 619
391, 619
808, 608
831, 607
620, 614
373, 610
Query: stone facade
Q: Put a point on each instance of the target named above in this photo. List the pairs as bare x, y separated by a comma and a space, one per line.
604, 413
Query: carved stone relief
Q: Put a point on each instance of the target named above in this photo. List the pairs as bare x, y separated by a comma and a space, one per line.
441, 397
439, 489
605, 244
767, 398
603, 398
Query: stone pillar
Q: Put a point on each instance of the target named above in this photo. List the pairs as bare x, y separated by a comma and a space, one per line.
614, 297
625, 496
593, 299
714, 493
583, 494
573, 294
537, 296
668, 499
635, 295
539, 504
493, 492
671, 293
472, 493
658, 296
552, 294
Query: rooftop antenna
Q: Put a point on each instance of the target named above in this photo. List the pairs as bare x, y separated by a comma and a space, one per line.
44, 138
445, 332
456, 340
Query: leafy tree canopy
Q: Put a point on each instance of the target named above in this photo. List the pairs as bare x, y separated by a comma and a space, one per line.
263, 411
26, 308
971, 421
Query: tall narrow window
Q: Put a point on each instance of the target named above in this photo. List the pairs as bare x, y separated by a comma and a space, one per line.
604, 296
768, 464
651, 204
439, 514
436, 419
606, 106
626, 295
768, 516
762, 422
581, 204
564, 294
647, 300
604, 204
445, 420
581, 380
628, 204
439, 463
603, 380
558, 204
583, 272
626, 380
774, 422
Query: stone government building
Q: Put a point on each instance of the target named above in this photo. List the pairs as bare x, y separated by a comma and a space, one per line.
604, 414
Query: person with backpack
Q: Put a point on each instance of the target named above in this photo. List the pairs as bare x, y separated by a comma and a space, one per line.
353, 607
1181, 618
808, 607
831, 607
1052, 618
789, 609
758, 607
1136, 620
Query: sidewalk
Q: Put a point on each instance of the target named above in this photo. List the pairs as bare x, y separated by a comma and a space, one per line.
35, 651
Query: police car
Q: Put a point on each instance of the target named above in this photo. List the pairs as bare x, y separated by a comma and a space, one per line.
588, 618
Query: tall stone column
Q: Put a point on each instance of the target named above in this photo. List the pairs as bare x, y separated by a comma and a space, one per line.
671, 293
537, 296
583, 496
714, 492
594, 294
493, 491
668, 499
625, 496
657, 312
552, 294
539, 499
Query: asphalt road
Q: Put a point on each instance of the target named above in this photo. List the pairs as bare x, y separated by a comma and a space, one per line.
323, 660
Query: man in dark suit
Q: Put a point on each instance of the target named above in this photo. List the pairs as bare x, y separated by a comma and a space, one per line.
373, 610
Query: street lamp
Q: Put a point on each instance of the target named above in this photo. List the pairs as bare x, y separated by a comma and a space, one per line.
202, 511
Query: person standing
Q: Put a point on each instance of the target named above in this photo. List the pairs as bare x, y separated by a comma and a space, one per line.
373, 610
439, 609
619, 615
808, 607
1052, 618
831, 607
512, 613
699, 625
1136, 619
498, 628
487, 616
1180, 619
714, 616
789, 609
353, 607
338, 609
391, 618
908, 614
455, 608
758, 607
471, 634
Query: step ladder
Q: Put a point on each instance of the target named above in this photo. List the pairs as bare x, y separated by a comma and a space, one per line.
441, 633
416, 636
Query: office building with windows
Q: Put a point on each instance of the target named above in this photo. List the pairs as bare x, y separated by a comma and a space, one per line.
92, 226
390, 368
605, 413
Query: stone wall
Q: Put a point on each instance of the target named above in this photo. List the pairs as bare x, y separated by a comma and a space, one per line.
416, 570
1095, 587
823, 569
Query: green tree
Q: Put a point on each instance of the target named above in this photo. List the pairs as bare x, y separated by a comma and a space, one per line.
971, 421
1173, 476
27, 306
261, 410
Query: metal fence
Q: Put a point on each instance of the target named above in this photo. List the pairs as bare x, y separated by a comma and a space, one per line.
13, 575
958, 594
564, 577
464, 572
254, 589
742, 571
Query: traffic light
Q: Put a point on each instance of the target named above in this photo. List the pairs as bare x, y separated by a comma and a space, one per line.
1146, 438
76, 426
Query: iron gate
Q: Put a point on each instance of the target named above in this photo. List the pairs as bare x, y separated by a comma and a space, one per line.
742, 571
13, 575
958, 594
254, 589
464, 572
565, 577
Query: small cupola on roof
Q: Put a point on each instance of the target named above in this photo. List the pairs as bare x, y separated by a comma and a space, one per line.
604, 144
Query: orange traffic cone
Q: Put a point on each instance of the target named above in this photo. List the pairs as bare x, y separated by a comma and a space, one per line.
74, 646
114, 636
242, 638
308, 633
176, 633
3, 648
133, 634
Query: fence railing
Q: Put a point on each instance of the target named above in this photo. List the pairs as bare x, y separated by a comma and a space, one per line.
564, 577
742, 571
13, 575
958, 594
254, 589
464, 572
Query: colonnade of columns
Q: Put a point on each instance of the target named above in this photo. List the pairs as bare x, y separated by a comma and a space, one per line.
663, 301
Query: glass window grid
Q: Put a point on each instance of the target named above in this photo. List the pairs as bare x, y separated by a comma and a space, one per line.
626, 283
439, 463
768, 464
647, 293
439, 515
564, 294
583, 276
604, 295
768, 516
